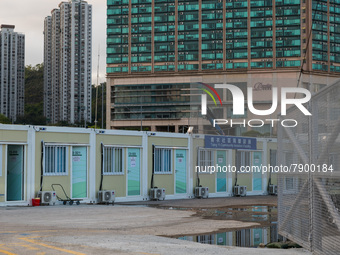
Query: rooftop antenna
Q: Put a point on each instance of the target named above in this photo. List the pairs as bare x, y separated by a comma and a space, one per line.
95, 121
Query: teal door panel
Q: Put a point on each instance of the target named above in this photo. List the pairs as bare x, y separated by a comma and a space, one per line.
79, 172
257, 175
258, 236
221, 239
258, 232
133, 173
181, 171
221, 179
15, 173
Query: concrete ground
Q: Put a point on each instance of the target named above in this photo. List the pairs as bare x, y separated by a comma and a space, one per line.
121, 229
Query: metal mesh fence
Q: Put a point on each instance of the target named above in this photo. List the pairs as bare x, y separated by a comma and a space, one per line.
309, 196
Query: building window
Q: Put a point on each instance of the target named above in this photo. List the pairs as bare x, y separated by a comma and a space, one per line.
163, 159
113, 161
242, 159
55, 160
273, 158
265, 129
243, 238
317, 87
206, 239
230, 113
289, 183
240, 130
206, 158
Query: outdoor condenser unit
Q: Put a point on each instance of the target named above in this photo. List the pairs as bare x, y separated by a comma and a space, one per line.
240, 191
157, 194
201, 192
272, 189
47, 197
107, 196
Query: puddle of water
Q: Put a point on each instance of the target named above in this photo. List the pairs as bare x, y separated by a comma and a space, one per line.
260, 214
250, 238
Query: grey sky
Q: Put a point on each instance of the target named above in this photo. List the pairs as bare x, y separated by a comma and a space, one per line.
28, 17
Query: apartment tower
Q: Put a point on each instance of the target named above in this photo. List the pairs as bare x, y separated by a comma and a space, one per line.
68, 63
12, 72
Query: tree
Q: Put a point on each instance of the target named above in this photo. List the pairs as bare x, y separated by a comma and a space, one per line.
34, 115
101, 101
4, 119
34, 96
34, 84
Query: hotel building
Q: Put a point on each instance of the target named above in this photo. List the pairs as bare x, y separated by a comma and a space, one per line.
159, 53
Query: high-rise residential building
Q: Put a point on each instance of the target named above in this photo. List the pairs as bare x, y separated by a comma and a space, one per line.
68, 63
160, 53
12, 72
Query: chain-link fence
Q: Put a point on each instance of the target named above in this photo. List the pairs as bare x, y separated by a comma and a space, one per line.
309, 192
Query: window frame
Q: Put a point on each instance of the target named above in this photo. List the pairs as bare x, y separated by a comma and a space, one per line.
66, 163
289, 158
204, 163
112, 168
241, 158
161, 171
206, 239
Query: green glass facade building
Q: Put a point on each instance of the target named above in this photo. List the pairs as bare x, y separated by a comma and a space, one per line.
157, 48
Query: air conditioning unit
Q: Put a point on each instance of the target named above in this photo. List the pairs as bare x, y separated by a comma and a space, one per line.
272, 189
47, 197
201, 192
240, 191
106, 196
157, 194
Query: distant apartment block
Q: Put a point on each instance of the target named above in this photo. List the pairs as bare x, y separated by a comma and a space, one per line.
68, 63
12, 72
